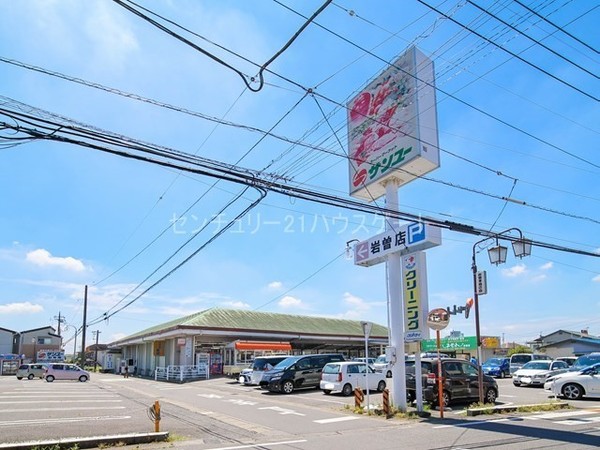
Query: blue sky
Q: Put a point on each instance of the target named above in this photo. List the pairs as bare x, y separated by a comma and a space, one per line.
72, 216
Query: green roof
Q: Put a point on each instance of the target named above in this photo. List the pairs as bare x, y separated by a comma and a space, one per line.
237, 319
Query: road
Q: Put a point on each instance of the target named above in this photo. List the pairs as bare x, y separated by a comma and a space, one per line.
220, 413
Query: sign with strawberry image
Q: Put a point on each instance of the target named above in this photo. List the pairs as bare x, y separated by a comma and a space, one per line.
392, 127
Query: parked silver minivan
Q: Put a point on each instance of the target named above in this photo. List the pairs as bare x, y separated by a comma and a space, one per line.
518, 360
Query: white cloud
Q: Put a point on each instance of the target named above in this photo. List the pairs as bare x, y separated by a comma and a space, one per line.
236, 304
356, 303
43, 258
110, 35
547, 266
514, 271
20, 308
290, 302
596, 279
538, 278
275, 285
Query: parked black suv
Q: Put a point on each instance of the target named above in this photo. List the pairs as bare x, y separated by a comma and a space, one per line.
460, 381
297, 372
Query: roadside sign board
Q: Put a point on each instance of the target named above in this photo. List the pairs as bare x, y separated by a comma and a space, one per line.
414, 287
481, 282
407, 239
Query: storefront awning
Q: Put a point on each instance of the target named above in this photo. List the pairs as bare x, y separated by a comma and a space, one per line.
253, 345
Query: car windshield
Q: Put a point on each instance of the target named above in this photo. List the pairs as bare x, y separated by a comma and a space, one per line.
585, 361
537, 365
287, 362
380, 359
520, 359
493, 362
331, 368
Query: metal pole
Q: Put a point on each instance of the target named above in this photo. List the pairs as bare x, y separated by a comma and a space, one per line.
477, 328
84, 327
440, 381
367, 371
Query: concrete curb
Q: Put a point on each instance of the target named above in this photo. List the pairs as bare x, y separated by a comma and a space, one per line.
511, 408
88, 442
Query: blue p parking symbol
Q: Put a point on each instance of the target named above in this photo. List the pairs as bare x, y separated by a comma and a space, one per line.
416, 233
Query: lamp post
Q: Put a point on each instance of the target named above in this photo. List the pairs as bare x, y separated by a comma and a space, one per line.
497, 255
366, 326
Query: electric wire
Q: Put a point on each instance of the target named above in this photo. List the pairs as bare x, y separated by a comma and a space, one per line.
450, 95
560, 28
107, 316
554, 52
215, 58
204, 166
224, 170
515, 55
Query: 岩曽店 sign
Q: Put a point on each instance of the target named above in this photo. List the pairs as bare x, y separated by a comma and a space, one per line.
407, 239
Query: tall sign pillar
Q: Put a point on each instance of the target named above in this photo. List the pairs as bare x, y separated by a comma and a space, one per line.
396, 318
392, 140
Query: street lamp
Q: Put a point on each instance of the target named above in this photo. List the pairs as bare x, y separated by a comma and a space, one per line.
497, 255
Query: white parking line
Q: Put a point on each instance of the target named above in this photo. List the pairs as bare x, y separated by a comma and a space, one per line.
82, 408
336, 419
62, 420
583, 421
20, 402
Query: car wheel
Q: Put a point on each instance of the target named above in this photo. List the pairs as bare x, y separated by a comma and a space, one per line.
517, 384
287, 387
381, 386
502, 374
445, 399
19, 378
49, 378
83, 378
572, 391
347, 390
410, 397
490, 396
326, 391
30, 376
388, 374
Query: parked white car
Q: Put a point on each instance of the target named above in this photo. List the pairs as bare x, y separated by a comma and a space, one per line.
381, 365
535, 373
574, 385
345, 376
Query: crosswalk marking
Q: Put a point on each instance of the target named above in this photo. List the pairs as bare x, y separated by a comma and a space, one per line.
558, 414
336, 419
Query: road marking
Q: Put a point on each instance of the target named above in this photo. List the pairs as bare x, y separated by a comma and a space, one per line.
2, 397
20, 402
557, 415
259, 445
82, 408
469, 424
209, 395
583, 421
283, 411
62, 420
336, 419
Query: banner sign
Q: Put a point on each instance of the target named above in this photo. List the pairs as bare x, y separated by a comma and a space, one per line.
414, 294
407, 239
392, 127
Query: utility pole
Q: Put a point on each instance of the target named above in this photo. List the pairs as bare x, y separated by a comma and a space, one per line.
61, 319
83, 328
97, 333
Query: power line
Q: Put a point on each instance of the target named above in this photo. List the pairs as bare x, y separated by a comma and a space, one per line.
179, 160
215, 58
529, 63
545, 19
532, 39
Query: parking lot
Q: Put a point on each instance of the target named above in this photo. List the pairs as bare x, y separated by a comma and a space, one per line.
214, 409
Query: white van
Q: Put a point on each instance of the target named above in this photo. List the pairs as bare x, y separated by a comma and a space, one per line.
517, 360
